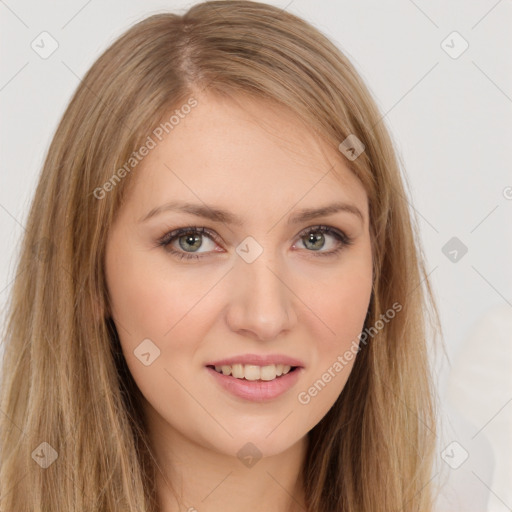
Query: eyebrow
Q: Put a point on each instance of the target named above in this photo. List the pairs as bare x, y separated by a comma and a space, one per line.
219, 215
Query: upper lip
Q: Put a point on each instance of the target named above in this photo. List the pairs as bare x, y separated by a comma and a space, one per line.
258, 360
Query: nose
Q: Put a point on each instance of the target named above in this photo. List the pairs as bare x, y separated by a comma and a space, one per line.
262, 303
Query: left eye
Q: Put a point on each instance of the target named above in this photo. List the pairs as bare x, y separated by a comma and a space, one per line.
316, 237
191, 238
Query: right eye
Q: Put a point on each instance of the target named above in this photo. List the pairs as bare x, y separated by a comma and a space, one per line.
187, 238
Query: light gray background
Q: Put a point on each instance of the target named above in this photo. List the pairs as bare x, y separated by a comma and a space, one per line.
451, 119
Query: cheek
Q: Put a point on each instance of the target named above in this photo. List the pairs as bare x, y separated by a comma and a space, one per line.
346, 309
146, 300
340, 304
340, 308
150, 303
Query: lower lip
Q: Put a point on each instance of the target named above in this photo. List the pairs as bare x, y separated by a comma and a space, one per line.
256, 390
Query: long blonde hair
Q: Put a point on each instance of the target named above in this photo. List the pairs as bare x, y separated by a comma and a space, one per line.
66, 391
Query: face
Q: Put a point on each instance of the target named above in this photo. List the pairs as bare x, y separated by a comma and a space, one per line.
217, 259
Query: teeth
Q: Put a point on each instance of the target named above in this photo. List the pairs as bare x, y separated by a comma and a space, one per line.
254, 372
237, 370
268, 372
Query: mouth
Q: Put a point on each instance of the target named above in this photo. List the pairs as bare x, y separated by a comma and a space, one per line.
251, 372
255, 383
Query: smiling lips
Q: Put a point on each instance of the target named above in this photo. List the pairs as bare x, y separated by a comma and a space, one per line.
256, 377
253, 367
254, 372
258, 389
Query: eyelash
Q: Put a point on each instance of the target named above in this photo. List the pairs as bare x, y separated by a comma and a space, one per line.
166, 240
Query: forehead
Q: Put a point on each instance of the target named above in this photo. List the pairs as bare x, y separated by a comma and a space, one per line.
247, 154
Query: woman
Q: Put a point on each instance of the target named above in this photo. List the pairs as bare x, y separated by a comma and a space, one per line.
218, 302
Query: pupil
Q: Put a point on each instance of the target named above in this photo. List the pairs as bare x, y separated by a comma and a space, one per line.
191, 239
314, 238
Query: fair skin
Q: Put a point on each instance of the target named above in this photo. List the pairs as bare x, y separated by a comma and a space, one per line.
259, 163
